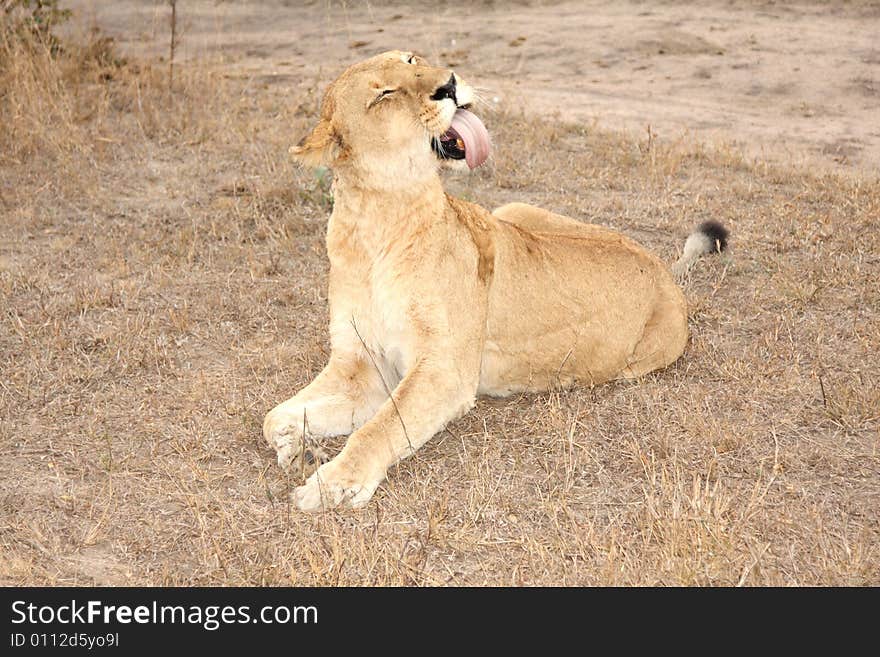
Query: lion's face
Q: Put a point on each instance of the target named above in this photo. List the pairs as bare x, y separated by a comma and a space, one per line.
393, 118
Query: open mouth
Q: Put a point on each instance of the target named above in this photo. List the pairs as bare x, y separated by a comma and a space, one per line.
466, 139
449, 146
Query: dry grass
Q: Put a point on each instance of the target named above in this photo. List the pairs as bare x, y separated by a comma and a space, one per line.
162, 273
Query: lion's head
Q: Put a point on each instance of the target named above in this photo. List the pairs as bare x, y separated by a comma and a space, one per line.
393, 119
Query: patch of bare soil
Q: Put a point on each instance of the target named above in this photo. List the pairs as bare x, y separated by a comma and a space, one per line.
795, 82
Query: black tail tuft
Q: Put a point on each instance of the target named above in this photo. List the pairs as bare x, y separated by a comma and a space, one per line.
715, 232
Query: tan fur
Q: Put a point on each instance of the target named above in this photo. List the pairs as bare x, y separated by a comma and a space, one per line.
436, 300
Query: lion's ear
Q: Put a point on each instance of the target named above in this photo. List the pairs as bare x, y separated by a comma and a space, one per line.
319, 147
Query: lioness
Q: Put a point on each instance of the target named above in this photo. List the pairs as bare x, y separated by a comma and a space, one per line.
434, 300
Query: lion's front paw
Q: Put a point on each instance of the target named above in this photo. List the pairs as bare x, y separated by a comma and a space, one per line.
332, 485
284, 434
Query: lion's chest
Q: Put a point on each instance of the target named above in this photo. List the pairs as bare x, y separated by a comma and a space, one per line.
369, 304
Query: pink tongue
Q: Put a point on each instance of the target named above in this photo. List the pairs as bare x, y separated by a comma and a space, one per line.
474, 135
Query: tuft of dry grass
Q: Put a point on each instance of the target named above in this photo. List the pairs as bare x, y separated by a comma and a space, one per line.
163, 283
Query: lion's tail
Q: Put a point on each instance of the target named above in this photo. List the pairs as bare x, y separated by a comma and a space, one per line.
710, 237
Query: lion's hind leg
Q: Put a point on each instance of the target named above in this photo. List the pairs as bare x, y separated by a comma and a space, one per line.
663, 339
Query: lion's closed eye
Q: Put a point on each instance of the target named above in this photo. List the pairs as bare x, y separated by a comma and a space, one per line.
385, 93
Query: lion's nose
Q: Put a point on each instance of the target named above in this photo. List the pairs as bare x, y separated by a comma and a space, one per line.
446, 91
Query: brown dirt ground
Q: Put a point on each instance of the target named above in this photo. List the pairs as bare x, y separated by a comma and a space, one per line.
798, 82
163, 283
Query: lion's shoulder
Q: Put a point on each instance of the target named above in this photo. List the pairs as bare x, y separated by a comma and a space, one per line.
478, 223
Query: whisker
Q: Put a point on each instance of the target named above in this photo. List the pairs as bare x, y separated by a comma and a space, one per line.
429, 136
440, 148
480, 99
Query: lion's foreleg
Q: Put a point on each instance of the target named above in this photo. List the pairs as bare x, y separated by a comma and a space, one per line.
346, 394
430, 395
